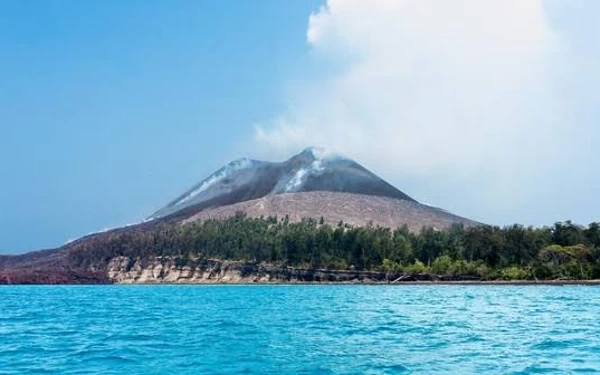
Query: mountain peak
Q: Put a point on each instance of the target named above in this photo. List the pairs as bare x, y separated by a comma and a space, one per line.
313, 169
320, 153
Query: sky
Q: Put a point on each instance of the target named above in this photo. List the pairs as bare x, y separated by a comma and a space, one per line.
110, 109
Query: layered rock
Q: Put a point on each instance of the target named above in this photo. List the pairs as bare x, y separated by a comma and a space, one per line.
164, 270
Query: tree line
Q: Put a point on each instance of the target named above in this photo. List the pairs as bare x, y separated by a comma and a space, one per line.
563, 250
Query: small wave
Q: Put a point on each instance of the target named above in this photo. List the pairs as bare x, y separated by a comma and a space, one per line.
549, 344
538, 370
113, 359
587, 370
394, 369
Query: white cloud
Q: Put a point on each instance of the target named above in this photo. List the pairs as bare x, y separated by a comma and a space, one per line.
460, 103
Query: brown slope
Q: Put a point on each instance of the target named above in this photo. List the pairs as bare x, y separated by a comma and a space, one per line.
46, 267
353, 209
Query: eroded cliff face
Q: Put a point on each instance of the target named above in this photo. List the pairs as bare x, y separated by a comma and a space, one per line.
165, 270
168, 270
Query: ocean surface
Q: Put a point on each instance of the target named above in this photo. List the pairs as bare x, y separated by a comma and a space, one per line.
299, 330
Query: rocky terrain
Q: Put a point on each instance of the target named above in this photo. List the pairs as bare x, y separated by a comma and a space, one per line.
164, 270
311, 170
352, 209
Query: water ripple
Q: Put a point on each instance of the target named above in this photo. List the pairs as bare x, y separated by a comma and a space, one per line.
299, 330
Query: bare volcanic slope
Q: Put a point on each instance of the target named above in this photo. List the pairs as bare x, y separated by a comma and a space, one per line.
333, 207
311, 170
313, 183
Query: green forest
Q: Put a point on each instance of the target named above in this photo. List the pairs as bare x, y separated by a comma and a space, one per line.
561, 251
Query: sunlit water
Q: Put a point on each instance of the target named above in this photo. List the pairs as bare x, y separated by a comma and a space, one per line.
299, 329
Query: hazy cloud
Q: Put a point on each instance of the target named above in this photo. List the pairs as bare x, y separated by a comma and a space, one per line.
470, 104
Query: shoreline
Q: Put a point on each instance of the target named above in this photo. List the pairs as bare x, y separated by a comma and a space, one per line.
349, 283
403, 283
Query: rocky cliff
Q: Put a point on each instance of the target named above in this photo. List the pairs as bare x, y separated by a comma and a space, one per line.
164, 270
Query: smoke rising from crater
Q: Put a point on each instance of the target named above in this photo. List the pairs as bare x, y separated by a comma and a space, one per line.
465, 104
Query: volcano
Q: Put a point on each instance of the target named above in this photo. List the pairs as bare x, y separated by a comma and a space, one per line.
313, 169
314, 184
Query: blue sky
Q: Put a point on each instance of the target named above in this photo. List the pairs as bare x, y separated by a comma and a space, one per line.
110, 109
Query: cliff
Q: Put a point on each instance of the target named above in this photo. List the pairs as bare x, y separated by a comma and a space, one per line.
166, 270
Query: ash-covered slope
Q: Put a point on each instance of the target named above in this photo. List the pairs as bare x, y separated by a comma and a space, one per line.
334, 207
311, 170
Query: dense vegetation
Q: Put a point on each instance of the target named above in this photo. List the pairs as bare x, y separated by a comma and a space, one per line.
564, 250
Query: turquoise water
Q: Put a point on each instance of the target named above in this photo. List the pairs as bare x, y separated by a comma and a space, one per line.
299, 330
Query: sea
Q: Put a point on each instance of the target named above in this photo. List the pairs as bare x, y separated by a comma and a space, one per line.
299, 329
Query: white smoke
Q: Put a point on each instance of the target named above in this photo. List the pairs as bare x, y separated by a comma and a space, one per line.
460, 103
235, 165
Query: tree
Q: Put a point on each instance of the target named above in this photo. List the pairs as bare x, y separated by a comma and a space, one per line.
562, 250
567, 234
592, 235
